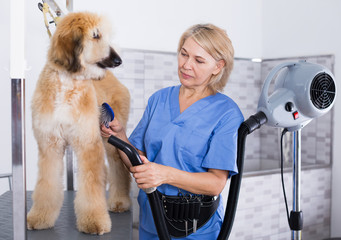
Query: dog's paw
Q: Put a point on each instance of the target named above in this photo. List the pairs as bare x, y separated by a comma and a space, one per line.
39, 220
94, 223
119, 204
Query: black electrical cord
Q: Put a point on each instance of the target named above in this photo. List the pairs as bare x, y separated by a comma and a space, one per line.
282, 178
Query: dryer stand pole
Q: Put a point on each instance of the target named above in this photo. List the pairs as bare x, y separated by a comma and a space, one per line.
296, 215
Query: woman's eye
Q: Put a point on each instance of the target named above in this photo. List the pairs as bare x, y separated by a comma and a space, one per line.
199, 61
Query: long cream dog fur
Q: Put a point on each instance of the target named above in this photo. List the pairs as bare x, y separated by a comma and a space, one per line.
65, 110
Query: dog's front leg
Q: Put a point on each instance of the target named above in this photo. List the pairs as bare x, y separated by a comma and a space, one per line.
90, 205
48, 194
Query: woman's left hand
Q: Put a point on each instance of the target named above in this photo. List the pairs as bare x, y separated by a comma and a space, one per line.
149, 174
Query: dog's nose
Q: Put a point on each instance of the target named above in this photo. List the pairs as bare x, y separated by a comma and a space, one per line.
117, 61
113, 60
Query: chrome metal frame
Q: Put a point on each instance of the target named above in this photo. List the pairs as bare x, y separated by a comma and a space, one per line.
69, 168
18, 159
297, 235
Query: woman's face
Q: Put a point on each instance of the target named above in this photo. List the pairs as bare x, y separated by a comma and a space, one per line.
195, 65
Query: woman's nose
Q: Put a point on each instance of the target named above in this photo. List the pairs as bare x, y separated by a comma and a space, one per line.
187, 64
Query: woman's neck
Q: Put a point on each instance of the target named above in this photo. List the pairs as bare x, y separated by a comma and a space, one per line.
188, 96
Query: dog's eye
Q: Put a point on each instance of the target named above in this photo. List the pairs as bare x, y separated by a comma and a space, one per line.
95, 35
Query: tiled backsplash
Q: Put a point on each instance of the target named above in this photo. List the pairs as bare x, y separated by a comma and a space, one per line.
261, 213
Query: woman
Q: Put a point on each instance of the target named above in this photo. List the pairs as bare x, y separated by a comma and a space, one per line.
187, 136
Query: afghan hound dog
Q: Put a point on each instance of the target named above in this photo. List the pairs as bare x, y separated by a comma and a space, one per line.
73, 84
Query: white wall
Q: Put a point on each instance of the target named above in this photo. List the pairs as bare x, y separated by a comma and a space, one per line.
157, 25
261, 28
5, 95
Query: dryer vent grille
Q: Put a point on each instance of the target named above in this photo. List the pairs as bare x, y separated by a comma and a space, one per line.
322, 90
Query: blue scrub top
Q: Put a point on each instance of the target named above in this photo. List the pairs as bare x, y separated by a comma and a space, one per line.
204, 136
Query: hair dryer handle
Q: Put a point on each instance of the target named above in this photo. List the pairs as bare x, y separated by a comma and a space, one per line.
263, 99
129, 150
131, 153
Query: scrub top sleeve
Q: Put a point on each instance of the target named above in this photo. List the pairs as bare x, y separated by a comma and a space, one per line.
222, 152
137, 136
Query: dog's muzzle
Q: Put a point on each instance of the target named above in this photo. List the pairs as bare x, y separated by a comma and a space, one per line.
113, 60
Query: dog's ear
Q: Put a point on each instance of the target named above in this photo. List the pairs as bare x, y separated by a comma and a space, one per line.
66, 48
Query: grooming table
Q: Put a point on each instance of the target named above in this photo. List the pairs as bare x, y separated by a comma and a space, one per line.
65, 227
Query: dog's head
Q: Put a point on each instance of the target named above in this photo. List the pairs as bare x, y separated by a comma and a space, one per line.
81, 46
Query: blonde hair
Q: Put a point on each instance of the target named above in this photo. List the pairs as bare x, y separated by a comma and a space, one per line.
215, 41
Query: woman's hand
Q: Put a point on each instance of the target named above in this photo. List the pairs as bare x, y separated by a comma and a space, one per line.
149, 174
115, 129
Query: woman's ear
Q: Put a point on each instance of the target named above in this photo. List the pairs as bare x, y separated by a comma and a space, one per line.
220, 64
